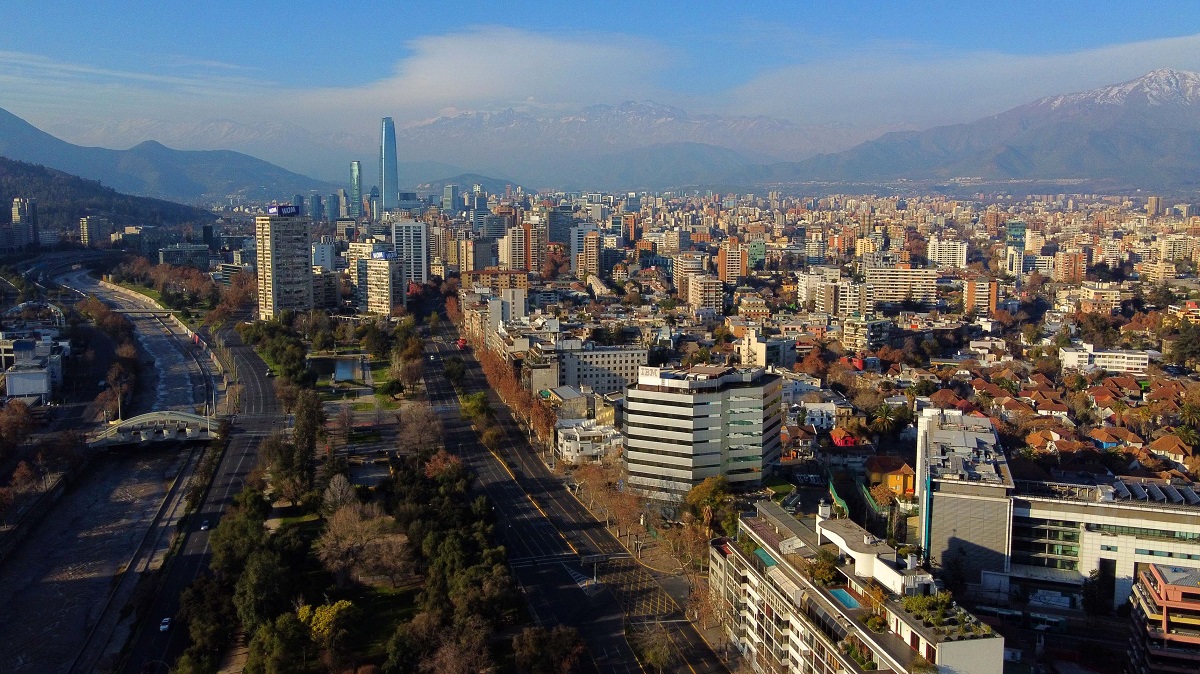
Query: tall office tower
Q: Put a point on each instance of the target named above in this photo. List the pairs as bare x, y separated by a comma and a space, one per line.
298, 202
1154, 206
512, 248
730, 427
316, 210
410, 242
1014, 234
375, 211
537, 239
389, 182
576, 240
589, 261
285, 277
494, 226
333, 206
92, 230
25, 221
354, 209
450, 200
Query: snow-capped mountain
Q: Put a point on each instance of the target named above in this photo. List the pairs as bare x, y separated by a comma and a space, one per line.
1157, 87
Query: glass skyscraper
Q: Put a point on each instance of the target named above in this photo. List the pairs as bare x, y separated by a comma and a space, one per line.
389, 184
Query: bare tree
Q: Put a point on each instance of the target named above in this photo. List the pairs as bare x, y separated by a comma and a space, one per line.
338, 494
350, 533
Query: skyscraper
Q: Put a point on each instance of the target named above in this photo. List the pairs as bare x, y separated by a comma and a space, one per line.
389, 183
284, 262
24, 222
356, 193
410, 242
450, 201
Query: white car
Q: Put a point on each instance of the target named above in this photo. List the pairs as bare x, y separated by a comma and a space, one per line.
164, 625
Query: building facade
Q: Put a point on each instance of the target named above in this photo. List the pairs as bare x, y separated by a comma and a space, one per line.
284, 262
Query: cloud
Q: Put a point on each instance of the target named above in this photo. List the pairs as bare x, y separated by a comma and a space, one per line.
916, 85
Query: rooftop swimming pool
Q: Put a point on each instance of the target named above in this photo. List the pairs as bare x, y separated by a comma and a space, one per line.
844, 598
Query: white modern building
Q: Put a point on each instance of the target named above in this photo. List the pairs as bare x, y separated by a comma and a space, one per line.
1088, 357
410, 241
682, 426
584, 440
946, 253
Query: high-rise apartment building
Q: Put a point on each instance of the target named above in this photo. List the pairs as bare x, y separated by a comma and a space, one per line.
706, 293
386, 284
93, 230
410, 241
946, 253
1166, 612
682, 426
683, 267
284, 262
981, 295
893, 286
389, 181
355, 208
733, 260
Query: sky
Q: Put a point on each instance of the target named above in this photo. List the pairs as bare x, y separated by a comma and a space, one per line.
335, 68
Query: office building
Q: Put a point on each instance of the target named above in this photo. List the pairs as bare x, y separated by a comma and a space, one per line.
410, 241
284, 262
963, 494
24, 223
451, 203
782, 621
325, 254
386, 284
93, 230
389, 181
603, 369
682, 426
1088, 357
185, 255
354, 208
577, 240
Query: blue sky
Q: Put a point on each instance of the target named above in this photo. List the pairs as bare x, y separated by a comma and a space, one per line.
337, 67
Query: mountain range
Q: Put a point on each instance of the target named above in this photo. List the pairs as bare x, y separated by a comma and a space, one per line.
1140, 133
1144, 133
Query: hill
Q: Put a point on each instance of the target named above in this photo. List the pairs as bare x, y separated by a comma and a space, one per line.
151, 169
63, 199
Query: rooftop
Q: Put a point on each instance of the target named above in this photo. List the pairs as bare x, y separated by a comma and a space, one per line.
962, 447
1176, 575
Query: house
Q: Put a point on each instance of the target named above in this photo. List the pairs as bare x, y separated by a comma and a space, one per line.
1050, 408
894, 473
944, 398
842, 438
1171, 448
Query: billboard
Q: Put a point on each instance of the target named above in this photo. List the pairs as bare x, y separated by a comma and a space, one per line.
283, 210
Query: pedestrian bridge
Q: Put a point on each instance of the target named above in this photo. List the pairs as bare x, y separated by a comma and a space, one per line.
156, 427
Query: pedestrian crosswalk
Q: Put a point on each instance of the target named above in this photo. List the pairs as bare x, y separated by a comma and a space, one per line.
585, 583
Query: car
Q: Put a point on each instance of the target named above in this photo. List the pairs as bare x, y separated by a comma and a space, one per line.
204, 525
269, 374
164, 625
433, 358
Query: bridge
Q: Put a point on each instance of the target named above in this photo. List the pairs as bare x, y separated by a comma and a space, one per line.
156, 427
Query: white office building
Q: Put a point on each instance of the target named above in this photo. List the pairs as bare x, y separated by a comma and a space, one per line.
410, 241
682, 426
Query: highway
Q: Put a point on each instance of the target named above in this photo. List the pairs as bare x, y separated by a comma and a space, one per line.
259, 414
546, 531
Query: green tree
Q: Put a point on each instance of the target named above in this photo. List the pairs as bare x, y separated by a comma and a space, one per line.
279, 647
207, 608
329, 624
261, 592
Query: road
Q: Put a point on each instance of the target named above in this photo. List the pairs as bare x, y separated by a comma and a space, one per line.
259, 414
547, 531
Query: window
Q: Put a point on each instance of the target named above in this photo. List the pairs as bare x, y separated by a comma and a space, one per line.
1108, 548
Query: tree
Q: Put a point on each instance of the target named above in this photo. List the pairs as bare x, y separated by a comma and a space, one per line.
279, 647
24, 477
653, 643
329, 624
16, 424
207, 607
538, 650
7, 501
338, 494
344, 546
345, 422
1097, 594
262, 589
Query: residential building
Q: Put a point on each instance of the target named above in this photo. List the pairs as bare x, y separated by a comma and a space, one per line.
756, 350
946, 253
410, 242
733, 260
1165, 616
24, 230
284, 262
981, 295
866, 333
783, 621
706, 294
327, 289
357, 254
325, 254
685, 425
603, 369
893, 286
586, 440
683, 267
386, 284
496, 280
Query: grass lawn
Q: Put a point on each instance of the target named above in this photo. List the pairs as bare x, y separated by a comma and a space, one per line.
382, 609
298, 519
365, 436
779, 487
386, 402
143, 290
363, 407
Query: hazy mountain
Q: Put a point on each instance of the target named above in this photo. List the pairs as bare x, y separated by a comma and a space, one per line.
152, 169
465, 182
63, 199
1145, 132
